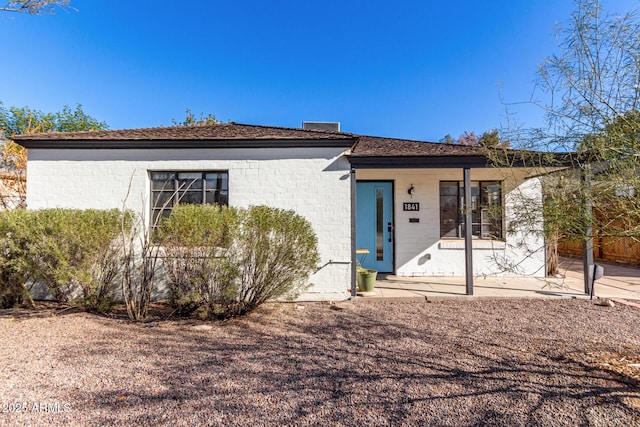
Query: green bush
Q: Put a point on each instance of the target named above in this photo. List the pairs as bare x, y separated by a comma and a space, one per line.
196, 241
74, 253
277, 251
220, 260
228, 261
14, 271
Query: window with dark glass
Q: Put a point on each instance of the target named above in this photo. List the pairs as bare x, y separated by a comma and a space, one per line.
486, 209
168, 189
379, 224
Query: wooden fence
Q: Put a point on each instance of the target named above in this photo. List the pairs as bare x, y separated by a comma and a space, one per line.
620, 249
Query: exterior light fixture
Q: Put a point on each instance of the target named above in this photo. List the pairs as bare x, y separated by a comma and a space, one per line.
411, 190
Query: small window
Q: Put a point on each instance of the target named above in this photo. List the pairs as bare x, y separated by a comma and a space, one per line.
486, 209
169, 189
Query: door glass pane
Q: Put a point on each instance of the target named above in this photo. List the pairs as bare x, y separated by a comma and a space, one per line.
379, 225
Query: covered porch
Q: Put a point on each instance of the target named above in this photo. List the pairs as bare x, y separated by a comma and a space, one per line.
424, 211
619, 282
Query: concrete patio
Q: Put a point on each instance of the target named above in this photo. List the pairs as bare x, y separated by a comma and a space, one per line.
618, 282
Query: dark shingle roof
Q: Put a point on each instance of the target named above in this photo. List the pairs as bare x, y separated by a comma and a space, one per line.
220, 131
233, 135
378, 152
374, 146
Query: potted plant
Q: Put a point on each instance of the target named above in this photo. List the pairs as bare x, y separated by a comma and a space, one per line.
366, 279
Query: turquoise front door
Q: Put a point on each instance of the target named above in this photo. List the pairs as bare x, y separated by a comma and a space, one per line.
374, 224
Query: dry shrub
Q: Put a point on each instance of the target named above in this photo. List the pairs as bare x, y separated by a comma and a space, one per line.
228, 261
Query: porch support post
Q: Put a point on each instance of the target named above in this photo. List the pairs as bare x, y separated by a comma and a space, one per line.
587, 238
353, 234
468, 244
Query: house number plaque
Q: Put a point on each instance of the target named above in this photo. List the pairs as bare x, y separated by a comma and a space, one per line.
411, 207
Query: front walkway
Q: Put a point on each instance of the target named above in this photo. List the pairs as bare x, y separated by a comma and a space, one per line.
618, 282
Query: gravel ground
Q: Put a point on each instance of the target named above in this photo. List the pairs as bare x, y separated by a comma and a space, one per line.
457, 362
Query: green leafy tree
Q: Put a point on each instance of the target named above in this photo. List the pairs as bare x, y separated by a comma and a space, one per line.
25, 120
13, 157
191, 119
616, 181
447, 139
491, 139
590, 94
34, 7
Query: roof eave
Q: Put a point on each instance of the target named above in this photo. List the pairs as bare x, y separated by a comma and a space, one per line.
426, 161
182, 143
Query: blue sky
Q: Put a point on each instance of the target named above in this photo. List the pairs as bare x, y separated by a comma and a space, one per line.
409, 69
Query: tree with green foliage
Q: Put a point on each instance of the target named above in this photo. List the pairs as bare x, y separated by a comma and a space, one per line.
590, 94
13, 157
615, 185
191, 119
492, 139
34, 7
447, 139
25, 120
489, 139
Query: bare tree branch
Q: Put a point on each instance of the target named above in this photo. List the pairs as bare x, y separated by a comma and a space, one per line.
35, 7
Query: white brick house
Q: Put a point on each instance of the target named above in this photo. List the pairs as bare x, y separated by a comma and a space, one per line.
393, 197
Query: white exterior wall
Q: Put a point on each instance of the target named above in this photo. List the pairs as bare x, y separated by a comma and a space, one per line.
419, 251
315, 182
